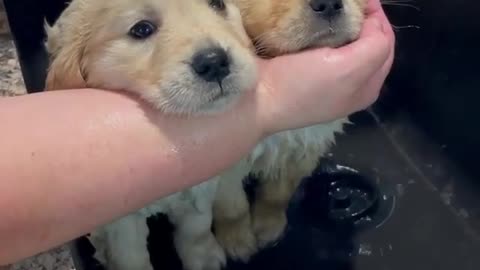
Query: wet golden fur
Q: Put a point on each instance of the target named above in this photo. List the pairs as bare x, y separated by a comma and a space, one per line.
282, 160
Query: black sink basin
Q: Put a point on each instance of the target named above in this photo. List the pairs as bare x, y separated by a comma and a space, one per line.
400, 190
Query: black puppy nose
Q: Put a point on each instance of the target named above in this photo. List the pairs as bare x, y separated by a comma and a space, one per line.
211, 64
327, 8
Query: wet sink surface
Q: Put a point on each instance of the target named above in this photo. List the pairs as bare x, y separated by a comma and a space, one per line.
429, 227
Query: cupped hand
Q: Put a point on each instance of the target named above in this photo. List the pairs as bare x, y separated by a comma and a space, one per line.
325, 84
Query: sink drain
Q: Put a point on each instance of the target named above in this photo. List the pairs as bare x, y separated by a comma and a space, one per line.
336, 197
349, 201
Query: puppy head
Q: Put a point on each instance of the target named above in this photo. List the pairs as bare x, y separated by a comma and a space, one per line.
183, 56
284, 26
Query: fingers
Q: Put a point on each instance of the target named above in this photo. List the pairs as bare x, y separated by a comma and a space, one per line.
375, 9
355, 61
362, 58
370, 92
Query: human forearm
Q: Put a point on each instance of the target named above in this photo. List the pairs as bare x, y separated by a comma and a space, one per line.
73, 160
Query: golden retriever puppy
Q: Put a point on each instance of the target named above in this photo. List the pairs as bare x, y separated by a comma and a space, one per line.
282, 160
185, 57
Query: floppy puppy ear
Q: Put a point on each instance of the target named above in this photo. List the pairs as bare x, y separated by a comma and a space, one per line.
65, 70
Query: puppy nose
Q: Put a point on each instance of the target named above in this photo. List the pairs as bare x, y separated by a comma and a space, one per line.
327, 8
211, 64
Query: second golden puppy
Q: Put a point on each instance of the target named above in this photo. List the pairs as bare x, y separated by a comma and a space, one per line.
282, 160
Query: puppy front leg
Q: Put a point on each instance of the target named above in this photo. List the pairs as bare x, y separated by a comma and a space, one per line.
231, 215
194, 241
269, 210
232, 221
273, 196
126, 244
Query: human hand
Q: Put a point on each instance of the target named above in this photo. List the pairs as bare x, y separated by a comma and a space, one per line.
325, 84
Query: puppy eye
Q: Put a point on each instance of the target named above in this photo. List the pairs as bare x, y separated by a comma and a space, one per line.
142, 30
217, 4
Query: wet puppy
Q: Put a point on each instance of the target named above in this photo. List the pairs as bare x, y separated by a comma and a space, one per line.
282, 160
185, 57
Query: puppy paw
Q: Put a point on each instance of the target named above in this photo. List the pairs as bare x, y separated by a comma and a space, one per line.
269, 224
237, 238
207, 254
